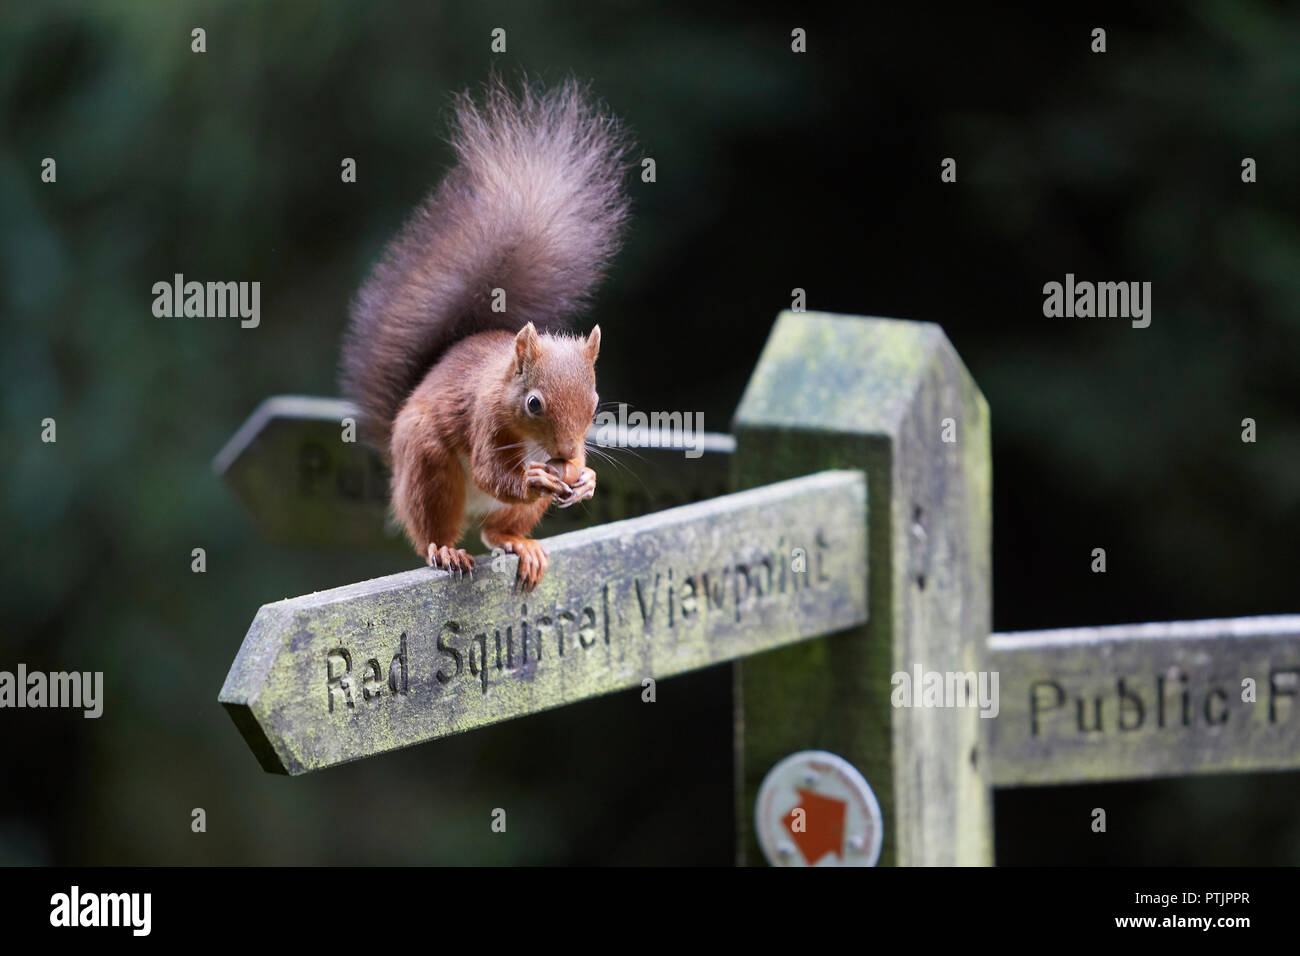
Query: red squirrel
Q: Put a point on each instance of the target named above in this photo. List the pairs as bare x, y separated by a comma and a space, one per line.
456, 349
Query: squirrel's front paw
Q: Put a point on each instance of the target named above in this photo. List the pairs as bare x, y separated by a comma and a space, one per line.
450, 559
580, 490
540, 478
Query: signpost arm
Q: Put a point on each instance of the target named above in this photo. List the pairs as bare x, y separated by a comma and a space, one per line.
364, 669
892, 399
1139, 701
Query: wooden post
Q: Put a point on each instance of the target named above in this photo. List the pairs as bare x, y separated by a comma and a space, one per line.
893, 399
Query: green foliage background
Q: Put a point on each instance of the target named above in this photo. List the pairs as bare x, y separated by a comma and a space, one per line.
774, 171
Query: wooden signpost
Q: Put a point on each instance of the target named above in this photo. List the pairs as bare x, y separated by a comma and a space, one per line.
306, 479
302, 482
864, 444
1146, 700
360, 670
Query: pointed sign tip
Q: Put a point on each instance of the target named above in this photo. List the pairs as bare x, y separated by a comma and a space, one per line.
258, 742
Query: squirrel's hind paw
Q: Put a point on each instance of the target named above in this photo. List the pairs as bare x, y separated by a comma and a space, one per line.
450, 559
533, 561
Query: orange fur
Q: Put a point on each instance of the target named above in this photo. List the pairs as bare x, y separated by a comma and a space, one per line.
474, 405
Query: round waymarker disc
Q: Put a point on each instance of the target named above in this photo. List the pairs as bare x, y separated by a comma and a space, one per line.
815, 809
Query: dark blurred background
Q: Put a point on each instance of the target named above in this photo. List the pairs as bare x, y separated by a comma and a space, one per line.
775, 171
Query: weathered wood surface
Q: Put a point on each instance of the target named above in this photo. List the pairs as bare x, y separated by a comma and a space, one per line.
360, 670
1146, 700
833, 391
303, 484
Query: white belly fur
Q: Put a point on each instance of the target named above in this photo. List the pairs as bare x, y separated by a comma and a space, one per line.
480, 504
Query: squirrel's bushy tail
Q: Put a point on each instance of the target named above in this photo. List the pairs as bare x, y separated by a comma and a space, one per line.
535, 206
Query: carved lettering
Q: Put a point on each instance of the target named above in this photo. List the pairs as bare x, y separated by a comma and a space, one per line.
338, 679
657, 600
450, 650
1135, 704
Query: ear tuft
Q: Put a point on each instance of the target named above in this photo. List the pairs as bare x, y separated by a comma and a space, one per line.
592, 346
528, 348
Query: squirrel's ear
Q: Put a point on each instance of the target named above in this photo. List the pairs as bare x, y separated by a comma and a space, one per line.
592, 348
528, 348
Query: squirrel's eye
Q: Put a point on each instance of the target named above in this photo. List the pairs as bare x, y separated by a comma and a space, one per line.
534, 404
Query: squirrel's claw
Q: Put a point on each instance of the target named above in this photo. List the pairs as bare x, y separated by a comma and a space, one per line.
450, 559
533, 561
543, 478
580, 490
